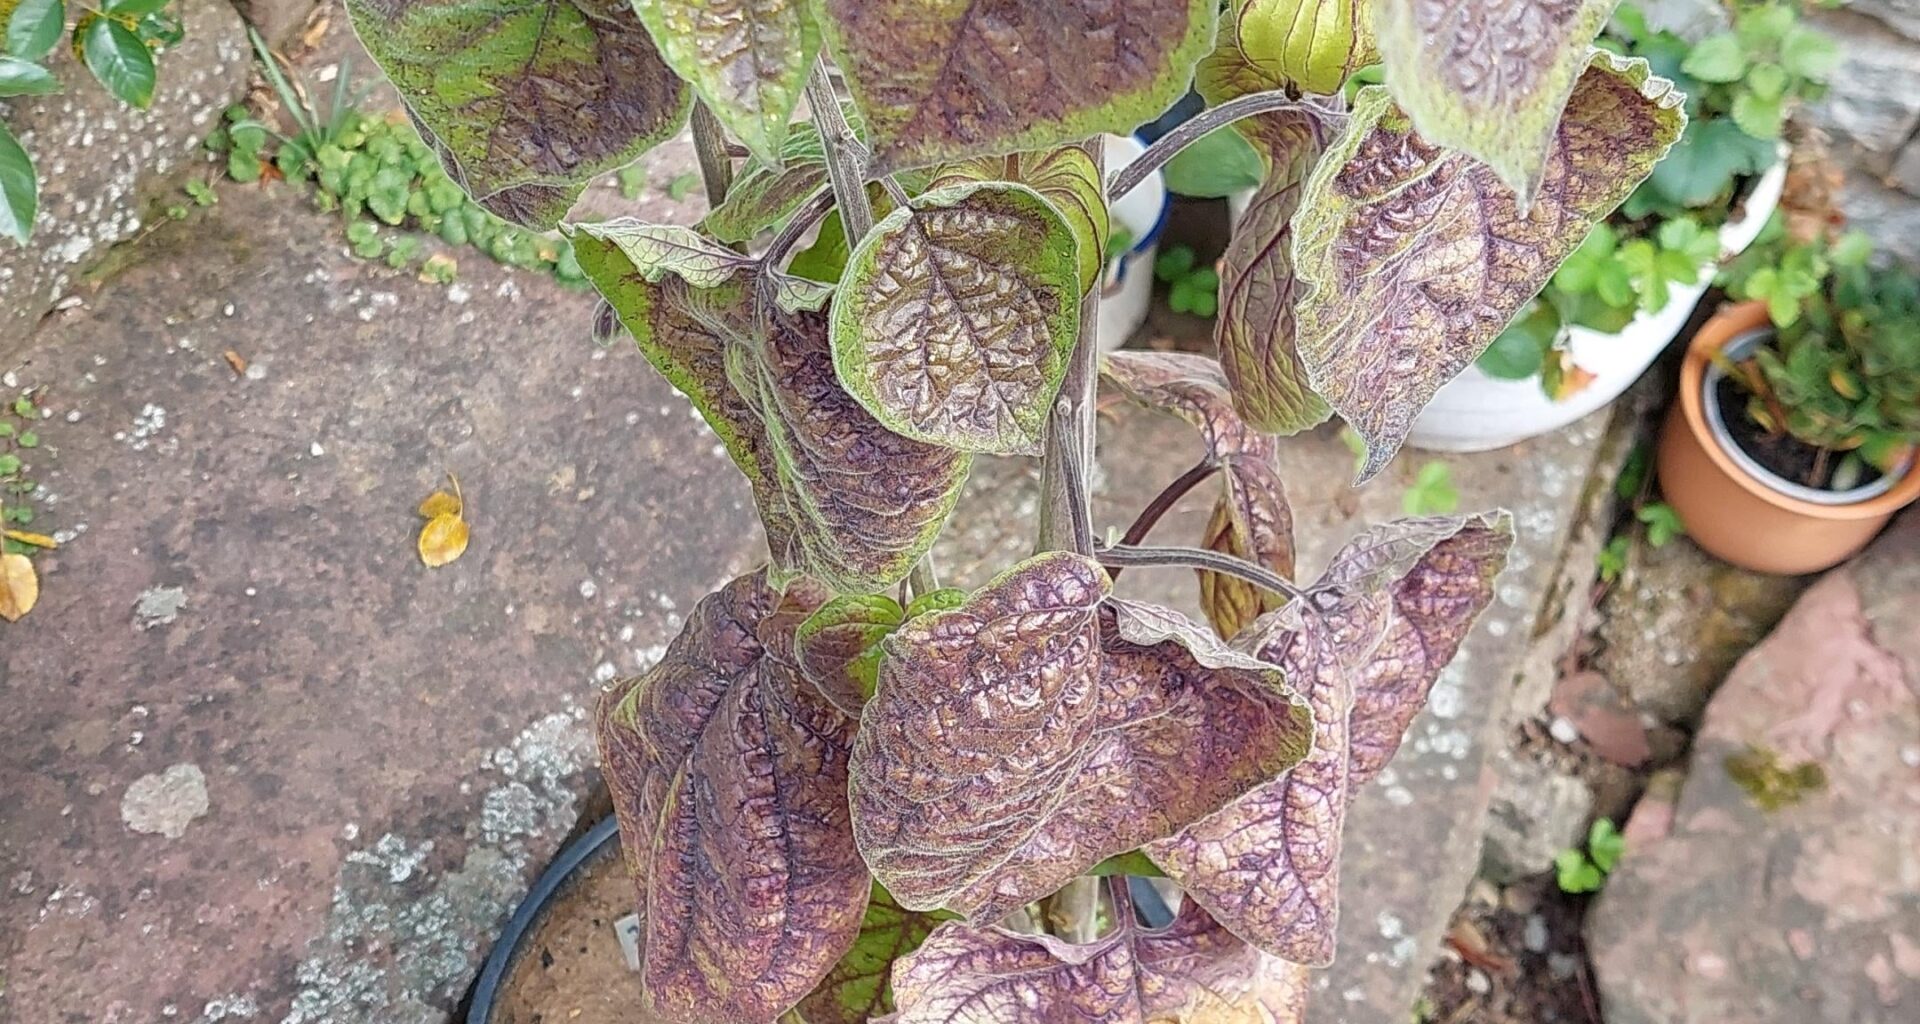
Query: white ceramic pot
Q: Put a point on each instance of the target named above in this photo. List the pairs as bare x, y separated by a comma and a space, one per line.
1475, 412
1127, 290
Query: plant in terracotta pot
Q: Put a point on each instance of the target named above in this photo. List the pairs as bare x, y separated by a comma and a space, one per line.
846, 792
1795, 435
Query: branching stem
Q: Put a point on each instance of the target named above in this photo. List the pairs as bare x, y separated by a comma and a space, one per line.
796, 227
1067, 453
710, 146
1143, 523
1124, 555
1167, 146
846, 157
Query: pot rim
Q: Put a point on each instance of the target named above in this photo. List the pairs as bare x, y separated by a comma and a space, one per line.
506, 948
1735, 323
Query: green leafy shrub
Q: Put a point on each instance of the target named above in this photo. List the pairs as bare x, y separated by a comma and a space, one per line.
116, 41
954, 793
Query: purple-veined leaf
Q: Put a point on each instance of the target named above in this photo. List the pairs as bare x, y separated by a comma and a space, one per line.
1257, 325
958, 78
1190, 972
1252, 518
1039, 728
747, 58
1064, 176
957, 315
1365, 649
525, 100
859, 989
728, 775
1308, 46
838, 647
842, 499
869, 501
1489, 77
1411, 258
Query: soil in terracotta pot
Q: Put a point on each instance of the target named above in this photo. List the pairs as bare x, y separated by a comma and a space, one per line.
571, 969
1783, 455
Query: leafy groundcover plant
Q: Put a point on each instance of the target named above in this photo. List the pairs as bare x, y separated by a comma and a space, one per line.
847, 793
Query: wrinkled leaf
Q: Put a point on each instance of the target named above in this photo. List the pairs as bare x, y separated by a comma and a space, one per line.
443, 539
525, 101
1366, 648
1065, 177
19, 586
762, 198
1190, 972
1489, 77
859, 989
957, 316
1309, 46
747, 58
1412, 258
1257, 326
1252, 518
838, 647
957, 78
728, 775
994, 721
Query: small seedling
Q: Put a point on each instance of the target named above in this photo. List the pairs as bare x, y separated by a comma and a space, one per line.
1432, 493
1191, 288
1579, 871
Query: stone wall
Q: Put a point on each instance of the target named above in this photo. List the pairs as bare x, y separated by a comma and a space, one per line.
1872, 115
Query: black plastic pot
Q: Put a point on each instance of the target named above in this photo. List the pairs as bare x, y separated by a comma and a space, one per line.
506, 949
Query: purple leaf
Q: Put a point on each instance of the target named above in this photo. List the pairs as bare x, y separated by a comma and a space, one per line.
1252, 518
1365, 648
859, 988
1190, 971
1023, 737
838, 647
729, 777
1411, 258
525, 103
952, 80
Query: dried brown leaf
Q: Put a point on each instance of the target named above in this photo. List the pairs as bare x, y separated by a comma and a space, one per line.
442, 540
19, 586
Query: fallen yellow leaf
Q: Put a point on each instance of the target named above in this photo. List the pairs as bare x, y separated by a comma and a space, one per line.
438, 504
19, 586
442, 540
38, 540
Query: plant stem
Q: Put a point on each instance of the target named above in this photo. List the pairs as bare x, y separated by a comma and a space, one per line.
710, 145
1166, 499
1074, 911
1122, 555
846, 157
925, 578
1167, 146
1068, 449
805, 217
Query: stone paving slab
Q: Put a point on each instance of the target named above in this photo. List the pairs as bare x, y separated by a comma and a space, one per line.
263, 765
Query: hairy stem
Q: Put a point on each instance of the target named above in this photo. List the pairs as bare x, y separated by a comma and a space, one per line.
1166, 146
1123, 555
796, 227
1068, 451
846, 157
710, 145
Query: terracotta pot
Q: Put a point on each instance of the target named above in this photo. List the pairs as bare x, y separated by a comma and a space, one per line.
1735, 514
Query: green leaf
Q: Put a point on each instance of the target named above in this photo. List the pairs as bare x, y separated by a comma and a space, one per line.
859, 988
1065, 177
1768, 81
1309, 46
1758, 115
1575, 873
1605, 844
1521, 349
1412, 258
1499, 102
9, 464
525, 101
1809, 53
1764, 27
25, 78
121, 62
35, 27
1612, 560
19, 189
1216, 165
1702, 166
956, 317
1432, 492
1718, 58
748, 59
29, 439
134, 8
1173, 263
1662, 522
950, 80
